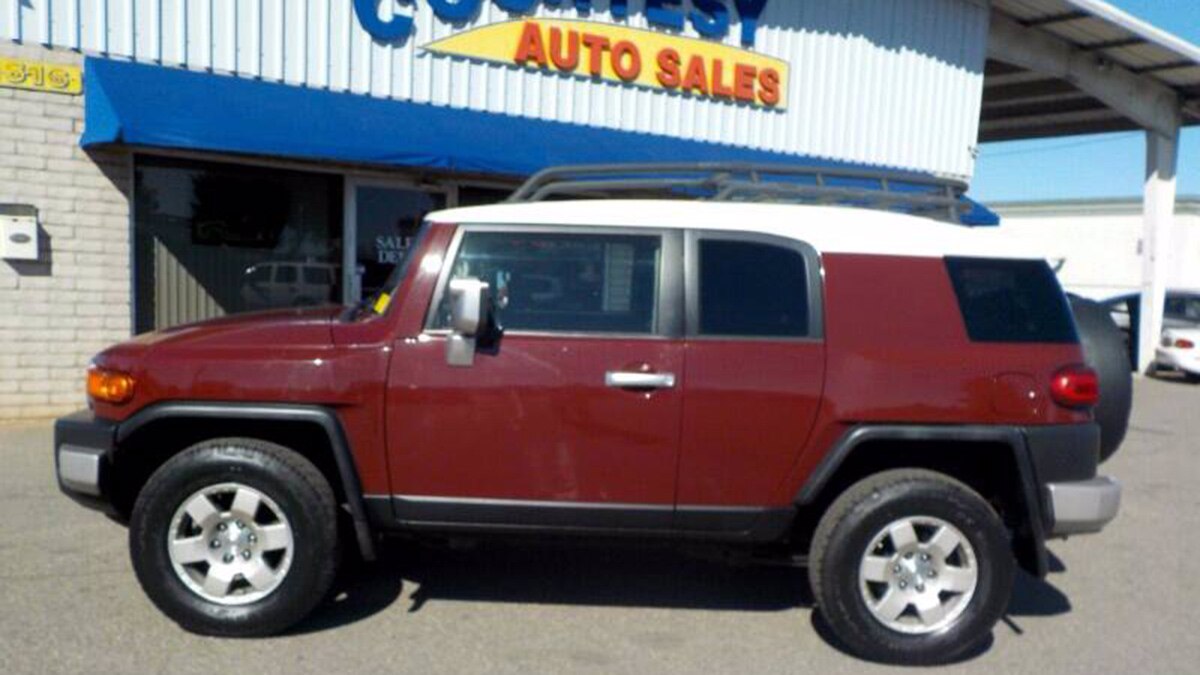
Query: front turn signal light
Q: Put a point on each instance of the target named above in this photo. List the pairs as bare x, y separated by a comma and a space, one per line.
109, 386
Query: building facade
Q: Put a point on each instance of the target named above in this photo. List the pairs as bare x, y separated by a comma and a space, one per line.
185, 159
1096, 244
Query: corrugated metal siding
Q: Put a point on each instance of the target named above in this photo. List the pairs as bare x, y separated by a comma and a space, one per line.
888, 82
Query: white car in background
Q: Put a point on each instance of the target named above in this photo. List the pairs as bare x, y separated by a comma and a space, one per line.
1177, 351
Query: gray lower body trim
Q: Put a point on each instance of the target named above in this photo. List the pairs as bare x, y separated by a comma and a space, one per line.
1081, 507
79, 468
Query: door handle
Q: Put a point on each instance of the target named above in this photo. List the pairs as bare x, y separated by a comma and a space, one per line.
633, 380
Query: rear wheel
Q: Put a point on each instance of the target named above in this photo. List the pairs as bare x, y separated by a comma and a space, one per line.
911, 567
235, 537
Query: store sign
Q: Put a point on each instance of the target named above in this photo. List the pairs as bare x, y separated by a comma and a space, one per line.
709, 18
34, 75
627, 55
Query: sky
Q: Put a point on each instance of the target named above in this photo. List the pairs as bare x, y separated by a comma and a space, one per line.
1105, 165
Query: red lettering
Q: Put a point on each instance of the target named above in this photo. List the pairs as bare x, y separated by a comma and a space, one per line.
626, 51
719, 88
530, 47
696, 79
668, 68
596, 46
768, 81
569, 61
744, 77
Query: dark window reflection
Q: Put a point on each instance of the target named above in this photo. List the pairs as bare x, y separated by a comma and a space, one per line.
214, 239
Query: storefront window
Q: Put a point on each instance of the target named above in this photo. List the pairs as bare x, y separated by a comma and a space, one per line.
387, 220
215, 239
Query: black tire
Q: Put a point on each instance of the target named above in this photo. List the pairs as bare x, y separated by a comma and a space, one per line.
849, 526
1107, 353
292, 482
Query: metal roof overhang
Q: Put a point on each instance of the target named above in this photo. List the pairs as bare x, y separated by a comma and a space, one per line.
1023, 103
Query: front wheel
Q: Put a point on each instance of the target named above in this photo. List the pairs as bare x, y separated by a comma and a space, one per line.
911, 567
235, 537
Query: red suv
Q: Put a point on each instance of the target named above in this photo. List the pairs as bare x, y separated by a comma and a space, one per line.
897, 402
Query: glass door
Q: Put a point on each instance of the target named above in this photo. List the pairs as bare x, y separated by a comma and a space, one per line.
382, 219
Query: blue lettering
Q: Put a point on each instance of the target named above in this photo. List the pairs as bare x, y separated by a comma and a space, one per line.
385, 31
516, 6
455, 10
658, 13
749, 11
710, 18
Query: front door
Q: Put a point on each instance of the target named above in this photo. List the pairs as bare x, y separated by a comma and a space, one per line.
572, 419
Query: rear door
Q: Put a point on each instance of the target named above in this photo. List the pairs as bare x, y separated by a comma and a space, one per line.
754, 372
572, 419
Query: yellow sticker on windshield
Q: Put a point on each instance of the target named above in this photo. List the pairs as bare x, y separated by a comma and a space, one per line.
382, 303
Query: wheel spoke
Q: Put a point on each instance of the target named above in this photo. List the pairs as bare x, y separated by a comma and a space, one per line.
260, 576
957, 579
945, 541
875, 568
902, 534
930, 608
275, 537
892, 605
201, 509
245, 504
217, 582
190, 550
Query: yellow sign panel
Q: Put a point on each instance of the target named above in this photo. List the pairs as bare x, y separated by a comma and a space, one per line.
628, 55
52, 77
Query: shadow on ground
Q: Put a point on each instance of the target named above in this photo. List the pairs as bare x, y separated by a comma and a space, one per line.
579, 574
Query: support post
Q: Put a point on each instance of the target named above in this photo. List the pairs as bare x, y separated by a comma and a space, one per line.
1162, 158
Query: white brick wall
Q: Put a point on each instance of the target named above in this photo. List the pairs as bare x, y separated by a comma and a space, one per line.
56, 313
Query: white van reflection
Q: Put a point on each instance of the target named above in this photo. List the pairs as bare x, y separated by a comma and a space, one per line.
288, 284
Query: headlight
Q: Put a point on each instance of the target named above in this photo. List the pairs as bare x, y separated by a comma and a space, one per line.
110, 386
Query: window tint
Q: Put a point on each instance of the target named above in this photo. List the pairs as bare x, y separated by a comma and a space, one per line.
1183, 307
564, 282
752, 290
1011, 301
285, 274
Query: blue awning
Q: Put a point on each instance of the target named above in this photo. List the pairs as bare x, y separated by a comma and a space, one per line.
165, 107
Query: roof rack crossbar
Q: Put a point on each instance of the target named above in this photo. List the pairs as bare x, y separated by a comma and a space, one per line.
740, 181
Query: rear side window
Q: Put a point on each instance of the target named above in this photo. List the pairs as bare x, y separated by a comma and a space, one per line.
1011, 301
750, 289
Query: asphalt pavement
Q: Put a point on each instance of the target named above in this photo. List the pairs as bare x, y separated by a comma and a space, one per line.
1119, 602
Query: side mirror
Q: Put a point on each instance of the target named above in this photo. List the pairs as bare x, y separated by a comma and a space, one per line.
470, 305
470, 316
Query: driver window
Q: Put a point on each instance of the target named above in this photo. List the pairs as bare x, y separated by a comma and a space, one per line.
562, 282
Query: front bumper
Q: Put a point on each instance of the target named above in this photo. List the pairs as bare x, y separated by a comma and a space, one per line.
83, 447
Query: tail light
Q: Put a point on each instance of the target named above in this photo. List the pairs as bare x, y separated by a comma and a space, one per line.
1075, 387
1184, 344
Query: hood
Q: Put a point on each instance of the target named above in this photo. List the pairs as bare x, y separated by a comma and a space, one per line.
307, 326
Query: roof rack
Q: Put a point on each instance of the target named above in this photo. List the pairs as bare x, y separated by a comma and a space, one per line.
745, 182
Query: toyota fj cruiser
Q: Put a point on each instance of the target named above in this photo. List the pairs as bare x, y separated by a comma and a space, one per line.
901, 403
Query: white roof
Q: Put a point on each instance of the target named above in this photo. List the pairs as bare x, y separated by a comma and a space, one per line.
829, 229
